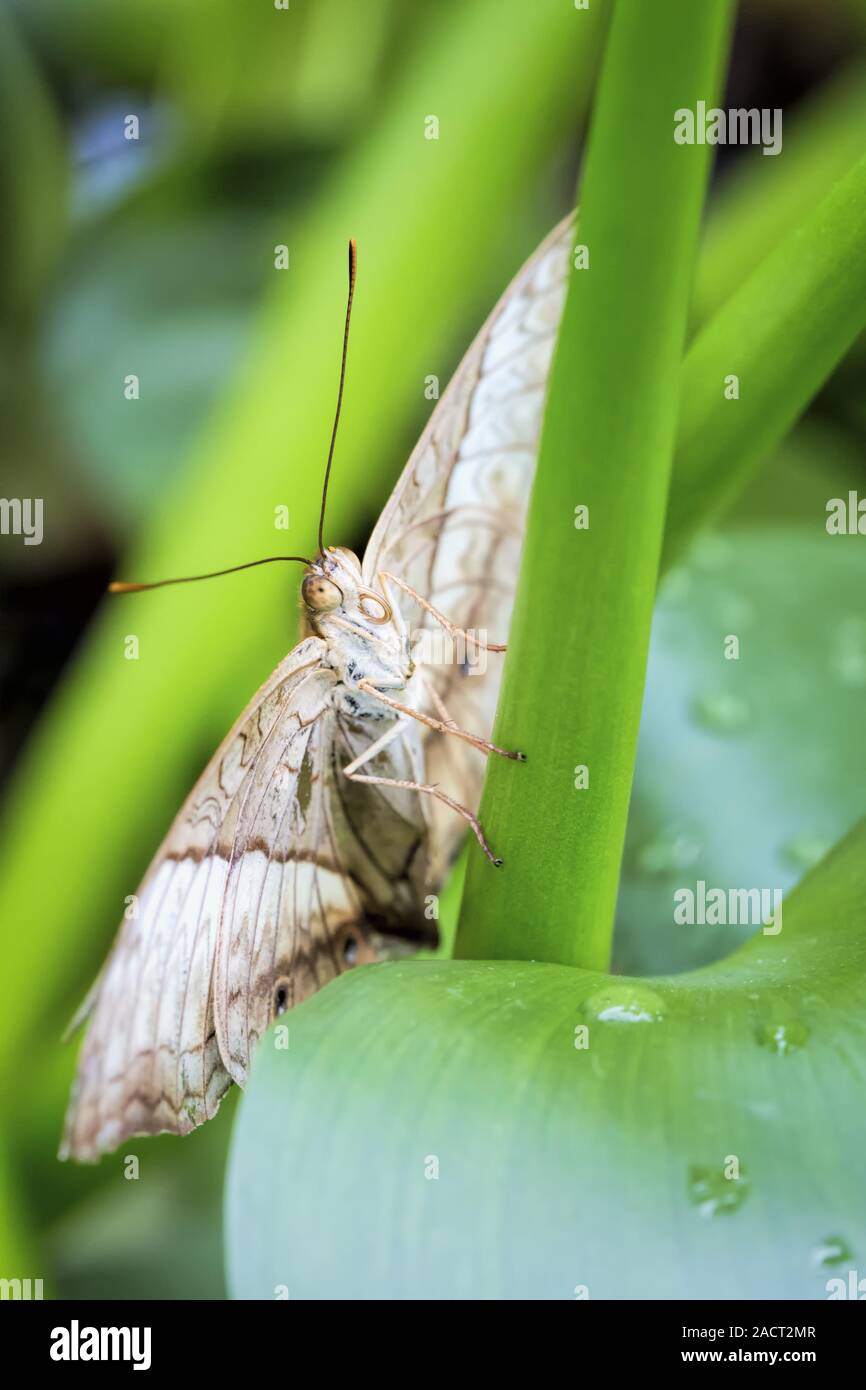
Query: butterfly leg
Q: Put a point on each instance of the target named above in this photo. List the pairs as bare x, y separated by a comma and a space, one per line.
398, 728
436, 699
439, 725
429, 789
450, 628
376, 747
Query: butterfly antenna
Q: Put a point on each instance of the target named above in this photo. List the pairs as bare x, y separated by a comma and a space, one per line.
353, 266
119, 587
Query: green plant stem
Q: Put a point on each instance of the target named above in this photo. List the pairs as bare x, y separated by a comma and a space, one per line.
577, 651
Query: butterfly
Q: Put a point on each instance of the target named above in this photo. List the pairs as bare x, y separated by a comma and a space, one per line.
331, 812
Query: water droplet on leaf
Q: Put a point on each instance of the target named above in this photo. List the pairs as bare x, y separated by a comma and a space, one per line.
832, 1251
806, 850
736, 611
676, 586
714, 1194
669, 851
848, 659
710, 552
783, 1037
624, 1004
723, 714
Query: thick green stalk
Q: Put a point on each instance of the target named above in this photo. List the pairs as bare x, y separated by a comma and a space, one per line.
575, 671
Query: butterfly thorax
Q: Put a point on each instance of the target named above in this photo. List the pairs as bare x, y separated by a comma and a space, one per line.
365, 635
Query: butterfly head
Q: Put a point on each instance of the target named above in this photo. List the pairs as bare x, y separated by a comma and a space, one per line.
333, 587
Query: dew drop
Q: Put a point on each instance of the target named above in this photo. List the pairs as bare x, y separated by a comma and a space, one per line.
723, 714
714, 1194
624, 1004
763, 1109
832, 1251
669, 851
783, 1037
676, 586
848, 659
736, 611
710, 552
804, 851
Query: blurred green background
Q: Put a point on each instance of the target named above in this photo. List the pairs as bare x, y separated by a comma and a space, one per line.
154, 256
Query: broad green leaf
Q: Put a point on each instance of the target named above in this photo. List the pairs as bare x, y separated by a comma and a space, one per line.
436, 1130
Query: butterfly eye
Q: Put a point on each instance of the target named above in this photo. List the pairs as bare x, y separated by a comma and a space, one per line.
350, 951
320, 594
281, 996
380, 612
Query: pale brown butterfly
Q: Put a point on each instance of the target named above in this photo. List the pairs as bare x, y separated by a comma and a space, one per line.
331, 812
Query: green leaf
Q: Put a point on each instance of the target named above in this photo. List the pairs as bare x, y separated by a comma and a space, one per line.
560, 1166
17, 1255
316, 67
750, 768
781, 335
762, 197
585, 595
32, 177
166, 292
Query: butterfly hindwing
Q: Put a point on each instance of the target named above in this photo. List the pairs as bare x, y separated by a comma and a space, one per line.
151, 1059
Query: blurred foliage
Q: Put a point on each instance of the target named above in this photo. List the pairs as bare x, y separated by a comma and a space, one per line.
748, 771
156, 257
776, 339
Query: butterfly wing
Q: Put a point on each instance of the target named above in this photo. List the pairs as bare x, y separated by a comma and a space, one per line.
273, 868
453, 527
323, 874
151, 1059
